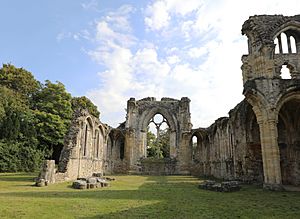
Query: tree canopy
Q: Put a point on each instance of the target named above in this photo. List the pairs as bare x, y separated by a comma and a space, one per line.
19, 80
85, 103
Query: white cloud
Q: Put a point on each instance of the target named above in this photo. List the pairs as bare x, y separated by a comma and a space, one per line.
158, 14
173, 59
199, 57
183, 7
196, 52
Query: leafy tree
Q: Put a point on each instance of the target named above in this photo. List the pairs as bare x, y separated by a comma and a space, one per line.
164, 141
153, 148
14, 115
18, 143
19, 80
53, 116
50, 130
85, 103
158, 147
19, 156
54, 99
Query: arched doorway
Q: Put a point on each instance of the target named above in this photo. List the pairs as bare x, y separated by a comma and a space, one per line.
253, 159
288, 127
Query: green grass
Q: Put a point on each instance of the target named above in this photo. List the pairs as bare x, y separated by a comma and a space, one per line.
140, 197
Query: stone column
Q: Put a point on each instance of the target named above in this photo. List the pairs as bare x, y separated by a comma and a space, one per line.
185, 155
173, 146
128, 150
270, 154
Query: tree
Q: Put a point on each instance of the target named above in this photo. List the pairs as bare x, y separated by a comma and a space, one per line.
13, 114
164, 141
18, 142
53, 116
54, 99
85, 103
19, 80
158, 147
153, 149
19, 156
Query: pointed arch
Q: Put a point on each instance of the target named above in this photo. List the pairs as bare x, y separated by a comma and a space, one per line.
148, 115
87, 136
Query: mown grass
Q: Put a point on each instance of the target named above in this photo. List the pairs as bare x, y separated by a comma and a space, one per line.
140, 197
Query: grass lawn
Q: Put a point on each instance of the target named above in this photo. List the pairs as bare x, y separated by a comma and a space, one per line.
140, 197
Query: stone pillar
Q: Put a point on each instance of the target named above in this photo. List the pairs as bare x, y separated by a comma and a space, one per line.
270, 154
185, 154
128, 151
47, 174
173, 148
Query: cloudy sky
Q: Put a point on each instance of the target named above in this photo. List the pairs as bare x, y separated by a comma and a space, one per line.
111, 50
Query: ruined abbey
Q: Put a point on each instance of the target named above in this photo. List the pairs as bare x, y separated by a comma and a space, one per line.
258, 143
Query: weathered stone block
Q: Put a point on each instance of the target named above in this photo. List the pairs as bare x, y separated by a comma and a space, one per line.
79, 184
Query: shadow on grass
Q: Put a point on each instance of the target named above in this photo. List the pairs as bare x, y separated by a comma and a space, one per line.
17, 177
177, 197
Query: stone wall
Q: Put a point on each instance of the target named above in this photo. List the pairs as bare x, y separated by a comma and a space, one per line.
163, 166
177, 115
83, 151
230, 148
82, 154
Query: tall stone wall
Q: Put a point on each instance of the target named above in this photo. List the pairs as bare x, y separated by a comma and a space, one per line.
230, 148
83, 151
274, 43
114, 156
177, 115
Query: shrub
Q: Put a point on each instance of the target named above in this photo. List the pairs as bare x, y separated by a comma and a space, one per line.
19, 156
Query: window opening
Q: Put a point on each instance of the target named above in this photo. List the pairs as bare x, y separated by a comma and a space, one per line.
158, 137
285, 72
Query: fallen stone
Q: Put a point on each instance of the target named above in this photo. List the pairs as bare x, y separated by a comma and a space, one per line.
97, 174
41, 182
90, 183
79, 184
91, 180
226, 186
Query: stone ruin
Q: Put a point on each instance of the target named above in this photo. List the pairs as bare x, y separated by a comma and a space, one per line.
227, 186
258, 143
95, 181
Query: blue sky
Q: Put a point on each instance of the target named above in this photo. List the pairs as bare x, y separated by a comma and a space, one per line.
111, 50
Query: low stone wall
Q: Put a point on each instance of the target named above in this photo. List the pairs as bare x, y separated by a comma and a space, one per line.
152, 166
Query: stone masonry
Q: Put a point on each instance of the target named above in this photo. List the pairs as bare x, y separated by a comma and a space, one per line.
177, 115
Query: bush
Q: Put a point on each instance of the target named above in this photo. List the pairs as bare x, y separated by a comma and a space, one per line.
19, 156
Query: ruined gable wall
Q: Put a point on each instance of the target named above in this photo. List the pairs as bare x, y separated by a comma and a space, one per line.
139, 113
82, 154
